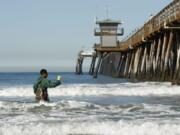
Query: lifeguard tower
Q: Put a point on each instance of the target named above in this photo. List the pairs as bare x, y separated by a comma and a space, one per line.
108, 30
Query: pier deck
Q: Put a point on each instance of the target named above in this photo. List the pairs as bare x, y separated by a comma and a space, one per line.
152, 53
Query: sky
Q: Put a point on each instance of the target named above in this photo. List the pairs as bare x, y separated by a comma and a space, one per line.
37, 34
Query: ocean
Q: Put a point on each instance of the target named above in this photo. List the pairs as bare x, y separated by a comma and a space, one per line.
86, 106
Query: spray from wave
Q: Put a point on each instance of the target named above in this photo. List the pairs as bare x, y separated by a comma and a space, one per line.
124, 89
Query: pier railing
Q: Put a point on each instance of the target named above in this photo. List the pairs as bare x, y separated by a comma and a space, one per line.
166, 17
151, 52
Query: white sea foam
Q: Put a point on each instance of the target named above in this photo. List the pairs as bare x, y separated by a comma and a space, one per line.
127, 108
93, 128
67, 104
123, 89
76, 117
75, 107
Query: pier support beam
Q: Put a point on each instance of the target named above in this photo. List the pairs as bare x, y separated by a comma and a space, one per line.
128, 60
98, 65
164, 47
136, 62
79, 65
143, 63
120, 65
167, 56
91, 71
158, 58
131, 64
176, 78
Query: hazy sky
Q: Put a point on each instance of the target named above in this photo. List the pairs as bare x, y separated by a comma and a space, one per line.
48, 34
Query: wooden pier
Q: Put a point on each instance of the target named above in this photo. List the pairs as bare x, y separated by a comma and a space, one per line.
151, 53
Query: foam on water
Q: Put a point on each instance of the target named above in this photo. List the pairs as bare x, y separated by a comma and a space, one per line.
93, 128
123, 89
64, 118
70, 104
92, 109
68, 110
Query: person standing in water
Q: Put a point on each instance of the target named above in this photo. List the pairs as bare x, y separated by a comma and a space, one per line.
42, 84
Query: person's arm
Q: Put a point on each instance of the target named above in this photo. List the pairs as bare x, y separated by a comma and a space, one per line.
52, 84
35, 86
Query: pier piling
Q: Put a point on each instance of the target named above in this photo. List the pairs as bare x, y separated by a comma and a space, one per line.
151, 53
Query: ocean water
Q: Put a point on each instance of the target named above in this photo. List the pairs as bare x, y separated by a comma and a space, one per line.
86, 106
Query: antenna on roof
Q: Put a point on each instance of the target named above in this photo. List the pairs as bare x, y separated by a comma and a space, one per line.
96, 17
107, 12
97, 12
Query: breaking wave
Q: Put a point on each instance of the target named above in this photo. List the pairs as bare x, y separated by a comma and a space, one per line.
63, 118
94, 128
147, 108
123, 89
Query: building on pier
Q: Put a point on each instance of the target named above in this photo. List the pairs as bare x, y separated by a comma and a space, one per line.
108, 30
152, 52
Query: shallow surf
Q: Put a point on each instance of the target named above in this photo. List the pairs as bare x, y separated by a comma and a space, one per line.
84, 106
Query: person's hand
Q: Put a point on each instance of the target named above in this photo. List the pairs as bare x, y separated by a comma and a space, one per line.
59, 78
